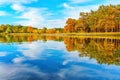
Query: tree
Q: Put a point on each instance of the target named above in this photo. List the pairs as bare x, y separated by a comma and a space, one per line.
44, 30
70, 25
30, 29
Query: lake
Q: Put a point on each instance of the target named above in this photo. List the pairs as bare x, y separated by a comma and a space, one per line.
59, 58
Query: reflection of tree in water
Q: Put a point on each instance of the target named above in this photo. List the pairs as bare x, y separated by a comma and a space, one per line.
27, 38
103, 50
73, 44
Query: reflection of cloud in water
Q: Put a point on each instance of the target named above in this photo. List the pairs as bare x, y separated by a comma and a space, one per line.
74, 57
36, 49
71, 66
73, 72
33, 50
20, 72
25, 72
77, 72
3, 54
18, 59
55, 45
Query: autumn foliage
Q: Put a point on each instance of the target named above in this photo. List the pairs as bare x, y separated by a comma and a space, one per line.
105, 19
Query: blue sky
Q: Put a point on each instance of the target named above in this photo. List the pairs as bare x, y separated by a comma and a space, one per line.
48, 13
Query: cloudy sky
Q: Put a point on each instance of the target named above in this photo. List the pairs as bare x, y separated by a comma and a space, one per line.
49, 13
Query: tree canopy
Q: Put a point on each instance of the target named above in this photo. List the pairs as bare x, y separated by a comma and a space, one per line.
105, 19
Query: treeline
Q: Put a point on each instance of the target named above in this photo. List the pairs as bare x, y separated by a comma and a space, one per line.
105, 19
27, 29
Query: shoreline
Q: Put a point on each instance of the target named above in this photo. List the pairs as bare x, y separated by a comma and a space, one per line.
115, 35
83, 34
67, 34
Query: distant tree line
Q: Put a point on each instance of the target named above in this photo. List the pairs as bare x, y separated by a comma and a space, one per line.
6, 28
105, 19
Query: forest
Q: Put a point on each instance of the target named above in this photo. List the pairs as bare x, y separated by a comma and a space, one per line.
105, 19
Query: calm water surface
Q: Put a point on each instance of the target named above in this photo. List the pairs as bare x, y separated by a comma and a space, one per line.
59, 59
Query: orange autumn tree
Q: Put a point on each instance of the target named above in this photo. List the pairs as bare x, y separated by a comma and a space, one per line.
70, 25
30, 29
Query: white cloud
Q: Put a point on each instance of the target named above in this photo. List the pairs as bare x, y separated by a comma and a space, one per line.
18, 7
32, 16
3, 13
38, 17
114, 2
23, 1
65, 5
54, 23
74, 11
3, 2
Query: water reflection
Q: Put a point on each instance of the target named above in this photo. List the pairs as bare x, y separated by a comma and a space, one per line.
59, 58
105, 51
27, 38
